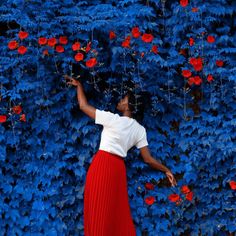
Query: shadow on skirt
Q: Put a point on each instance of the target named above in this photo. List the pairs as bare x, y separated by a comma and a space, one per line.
106, 204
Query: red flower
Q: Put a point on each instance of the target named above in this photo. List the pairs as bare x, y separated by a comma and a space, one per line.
60, 48
3, 118
88, 47
147, 38
149, 186
112, 35
79, 56
135, 32
23, 34
195, 80
189, 196
186, 73
232, 184
196, 63
174, 197
194, 9
52, 42
142, 54
17, 109
183, 3
150, 200
209, 78
22, 49
126, 43
12, 44
42, 40
63, 40
191, 41
185, 189
22, 117
91, 62
76, 46
219, 63
210, 39
155, 49
45, 52
191, 80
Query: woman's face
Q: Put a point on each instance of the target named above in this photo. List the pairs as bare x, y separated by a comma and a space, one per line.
122, 105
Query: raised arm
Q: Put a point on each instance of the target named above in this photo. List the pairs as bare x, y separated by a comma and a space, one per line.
147, 158
82, 100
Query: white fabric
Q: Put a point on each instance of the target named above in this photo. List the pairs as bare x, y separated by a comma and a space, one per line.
120, 133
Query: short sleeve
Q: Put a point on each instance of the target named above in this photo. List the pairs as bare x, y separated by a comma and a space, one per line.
142, 141
104, 118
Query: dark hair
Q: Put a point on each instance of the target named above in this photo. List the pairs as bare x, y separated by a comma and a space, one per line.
137, 102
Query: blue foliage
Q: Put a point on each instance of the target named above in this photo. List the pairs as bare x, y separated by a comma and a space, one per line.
190, 128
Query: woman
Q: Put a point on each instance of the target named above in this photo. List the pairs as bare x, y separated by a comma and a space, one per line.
106, 205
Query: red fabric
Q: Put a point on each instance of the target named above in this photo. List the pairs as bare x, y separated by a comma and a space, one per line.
106, 203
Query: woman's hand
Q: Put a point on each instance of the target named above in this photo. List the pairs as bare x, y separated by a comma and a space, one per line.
72, 81
171, 178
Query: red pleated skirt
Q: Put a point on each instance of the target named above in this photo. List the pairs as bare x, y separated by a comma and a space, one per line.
106, 203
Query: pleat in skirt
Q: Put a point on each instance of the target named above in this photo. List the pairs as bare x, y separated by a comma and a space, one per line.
106, 203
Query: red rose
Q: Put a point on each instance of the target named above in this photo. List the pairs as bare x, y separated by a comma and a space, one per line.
22, 117
17, 109
135, 32
155, 49
22, 49
183, 3
52, 42
88, 47
63, 40
191, 41
79, 56
149, 186
191, 80
112, 35
196, 63
189, 196
3, 118
209, 78
174, 197
60, 48
76, 46
91, 62
195, 80
147, 38
219, 63
186, 73
126, 43
42, 40
210, 39
232, 184
150, 200
23, 35
185, 189
12, 44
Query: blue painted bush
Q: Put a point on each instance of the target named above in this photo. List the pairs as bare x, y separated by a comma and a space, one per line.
44, 156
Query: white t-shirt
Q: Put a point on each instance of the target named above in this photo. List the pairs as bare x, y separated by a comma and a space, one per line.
120, 133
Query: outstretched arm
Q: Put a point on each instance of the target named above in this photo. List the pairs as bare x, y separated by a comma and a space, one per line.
82, 100
147, 158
